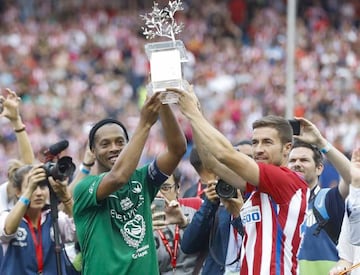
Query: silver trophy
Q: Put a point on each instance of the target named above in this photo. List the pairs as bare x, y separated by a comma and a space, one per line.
165, 57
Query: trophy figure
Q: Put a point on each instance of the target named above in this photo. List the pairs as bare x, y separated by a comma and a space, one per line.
165, 56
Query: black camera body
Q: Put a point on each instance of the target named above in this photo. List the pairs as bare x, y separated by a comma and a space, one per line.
225, 190
59, 170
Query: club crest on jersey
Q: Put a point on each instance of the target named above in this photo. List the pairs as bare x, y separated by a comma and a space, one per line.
136, 187
134, 231
250, 214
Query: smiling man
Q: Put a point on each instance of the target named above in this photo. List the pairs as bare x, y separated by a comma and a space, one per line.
273, 214
318, 252
112, 209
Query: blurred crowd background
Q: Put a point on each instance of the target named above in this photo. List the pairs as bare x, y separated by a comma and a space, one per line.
74, 62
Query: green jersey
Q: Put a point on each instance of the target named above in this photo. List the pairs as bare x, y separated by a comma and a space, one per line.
115, 234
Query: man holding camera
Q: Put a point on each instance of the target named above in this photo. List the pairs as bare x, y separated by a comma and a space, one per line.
216, 228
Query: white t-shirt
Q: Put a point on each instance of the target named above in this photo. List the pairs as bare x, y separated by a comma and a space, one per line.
5, 203
233, 251
353, 212
347, 251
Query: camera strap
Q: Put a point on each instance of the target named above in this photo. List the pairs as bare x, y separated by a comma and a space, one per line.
200, 190
37, 242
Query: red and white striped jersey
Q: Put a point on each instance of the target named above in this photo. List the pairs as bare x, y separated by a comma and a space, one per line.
272, 218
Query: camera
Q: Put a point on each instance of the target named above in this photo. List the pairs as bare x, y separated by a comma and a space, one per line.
225, 190
59, 170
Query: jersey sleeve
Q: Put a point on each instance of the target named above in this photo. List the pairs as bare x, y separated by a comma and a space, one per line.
335, 206
279, 182
85, 193
154, 178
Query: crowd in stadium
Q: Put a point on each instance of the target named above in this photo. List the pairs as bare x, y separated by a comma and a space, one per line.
72, 68
69, 64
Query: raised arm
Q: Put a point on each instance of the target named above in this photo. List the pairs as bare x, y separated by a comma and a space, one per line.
214, 142
311, 134
211, 163
129, 157
355, 168
175, 140
11, 111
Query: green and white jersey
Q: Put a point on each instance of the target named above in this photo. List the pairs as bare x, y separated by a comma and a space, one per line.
115, 234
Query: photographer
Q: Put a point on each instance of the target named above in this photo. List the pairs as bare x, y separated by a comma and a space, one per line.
10, 109
26, 231
216, 229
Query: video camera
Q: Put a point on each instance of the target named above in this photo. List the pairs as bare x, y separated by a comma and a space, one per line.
63, 168
225, 190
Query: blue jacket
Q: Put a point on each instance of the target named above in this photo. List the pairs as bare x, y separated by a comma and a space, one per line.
20, 257
196, 236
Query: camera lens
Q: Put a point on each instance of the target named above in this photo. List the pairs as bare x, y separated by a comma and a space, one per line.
60, 170
225, 190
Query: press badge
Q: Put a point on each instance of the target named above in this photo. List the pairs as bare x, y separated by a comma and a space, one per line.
250, 214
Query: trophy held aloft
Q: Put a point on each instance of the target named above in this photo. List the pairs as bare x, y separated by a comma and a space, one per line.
166, 57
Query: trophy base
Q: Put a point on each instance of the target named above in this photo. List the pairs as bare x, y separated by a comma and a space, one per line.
167, 97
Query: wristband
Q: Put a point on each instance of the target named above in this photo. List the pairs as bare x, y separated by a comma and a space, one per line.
20, 130
24, 200
88, 164
84, 170
326, 149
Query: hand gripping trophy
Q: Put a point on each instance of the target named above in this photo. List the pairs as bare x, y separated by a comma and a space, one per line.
165, 56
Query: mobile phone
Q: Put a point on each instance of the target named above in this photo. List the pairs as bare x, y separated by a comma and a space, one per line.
159, 204
295, 125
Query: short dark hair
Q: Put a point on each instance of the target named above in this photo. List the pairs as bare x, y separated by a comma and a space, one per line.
195, 160
317, 156
280, 124
101, 123
243, 142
